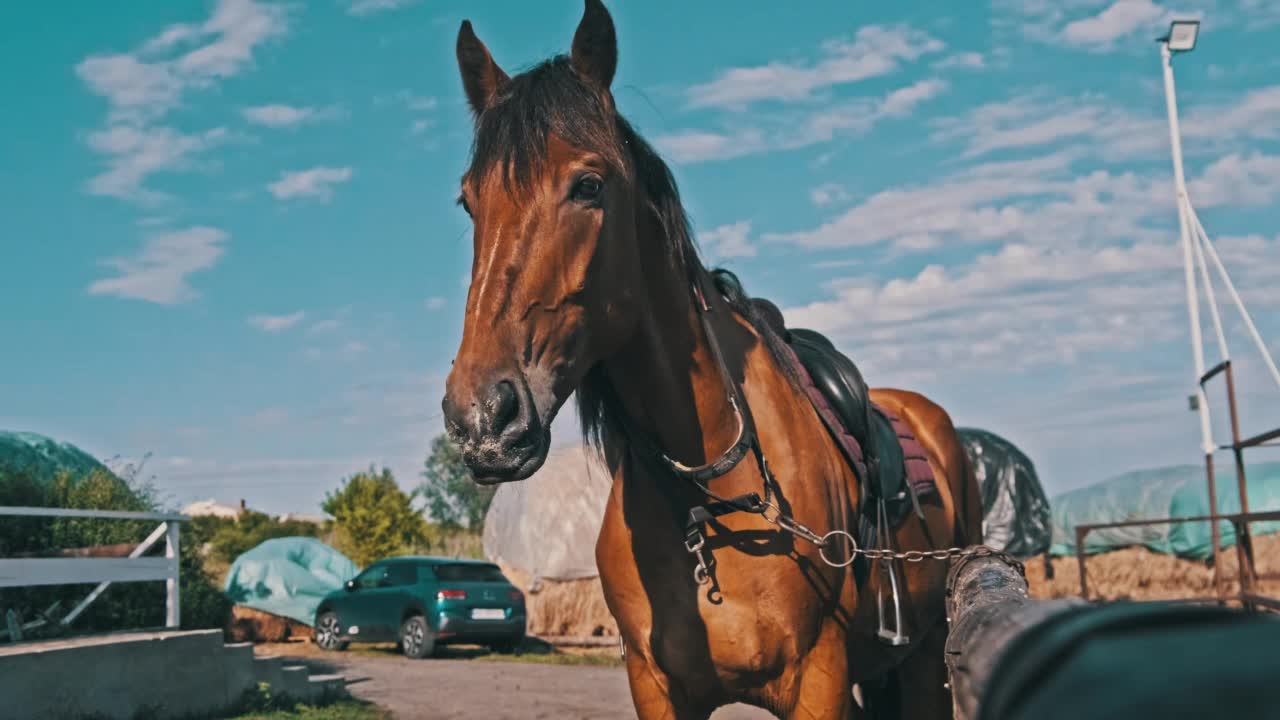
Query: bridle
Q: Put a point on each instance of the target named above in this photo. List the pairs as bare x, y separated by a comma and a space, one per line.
747, 441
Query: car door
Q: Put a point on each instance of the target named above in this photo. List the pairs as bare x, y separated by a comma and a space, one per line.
365, 611
383, 603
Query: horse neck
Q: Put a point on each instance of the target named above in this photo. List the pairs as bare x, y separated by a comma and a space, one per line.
665, 377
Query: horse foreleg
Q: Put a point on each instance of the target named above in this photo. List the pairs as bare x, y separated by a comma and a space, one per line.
653, 694
824, 690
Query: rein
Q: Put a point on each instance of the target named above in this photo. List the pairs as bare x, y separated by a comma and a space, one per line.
747, 441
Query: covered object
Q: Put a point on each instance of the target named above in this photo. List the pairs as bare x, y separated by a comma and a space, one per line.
44, 458
288, 577
1016, 517
1169, 492
546, 526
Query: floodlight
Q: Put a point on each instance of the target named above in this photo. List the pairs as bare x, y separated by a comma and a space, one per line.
1182, 35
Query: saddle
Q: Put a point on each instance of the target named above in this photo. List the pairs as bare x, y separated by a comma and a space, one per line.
871, 440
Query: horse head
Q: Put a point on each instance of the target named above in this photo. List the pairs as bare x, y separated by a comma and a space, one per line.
551, 190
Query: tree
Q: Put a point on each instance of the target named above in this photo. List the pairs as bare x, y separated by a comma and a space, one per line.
453, 498
373, 517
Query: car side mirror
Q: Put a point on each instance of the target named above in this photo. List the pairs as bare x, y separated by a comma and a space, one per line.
351, 585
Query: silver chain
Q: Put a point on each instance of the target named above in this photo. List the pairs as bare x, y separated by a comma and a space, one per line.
777, 517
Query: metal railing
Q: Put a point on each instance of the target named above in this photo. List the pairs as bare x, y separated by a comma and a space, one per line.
29, 572
1247, 572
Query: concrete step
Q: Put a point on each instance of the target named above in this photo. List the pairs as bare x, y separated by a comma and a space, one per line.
268, 670
327, 687
238, 671
294, 683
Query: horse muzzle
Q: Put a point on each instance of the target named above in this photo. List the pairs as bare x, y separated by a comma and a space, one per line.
497, 427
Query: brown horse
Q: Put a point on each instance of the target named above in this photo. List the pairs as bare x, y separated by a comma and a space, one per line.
585, 278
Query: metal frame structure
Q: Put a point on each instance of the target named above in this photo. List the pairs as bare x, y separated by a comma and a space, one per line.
1196, 246
27, 572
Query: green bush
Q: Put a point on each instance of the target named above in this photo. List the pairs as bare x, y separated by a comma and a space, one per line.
229, 538
373, 517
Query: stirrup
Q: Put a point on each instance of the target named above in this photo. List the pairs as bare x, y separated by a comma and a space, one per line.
894, 637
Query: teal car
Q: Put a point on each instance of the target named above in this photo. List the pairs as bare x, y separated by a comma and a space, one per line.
422, 602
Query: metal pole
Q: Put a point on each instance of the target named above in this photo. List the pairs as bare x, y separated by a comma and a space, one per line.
172, 606
1193, 300
1188, 259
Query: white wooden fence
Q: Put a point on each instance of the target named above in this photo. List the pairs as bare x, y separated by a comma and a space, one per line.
26, 572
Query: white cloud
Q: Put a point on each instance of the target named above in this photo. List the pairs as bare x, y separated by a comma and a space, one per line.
134, 154
140, 86
361, 8
1256, 115
1121, 19
1018, 307
415, 102
144, 86
1035, 200
969, 60
1037, 119
875, 51
269, 418
331, 323
276, 323
692, 146
159, 272
278, 115
434, 303
236, 27
903, 101
791, 130
727, 241
316, 182
828, 194
1252, 179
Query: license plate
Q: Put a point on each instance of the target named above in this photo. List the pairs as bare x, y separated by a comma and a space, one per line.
488, 614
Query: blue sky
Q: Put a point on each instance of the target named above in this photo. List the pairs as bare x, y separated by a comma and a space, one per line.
230, 237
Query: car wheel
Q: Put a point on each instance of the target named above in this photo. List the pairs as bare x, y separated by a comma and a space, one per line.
416, 639
328, 633
507, 647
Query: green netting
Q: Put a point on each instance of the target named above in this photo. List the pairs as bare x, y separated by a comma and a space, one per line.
1170, 492
288, 577
43, 458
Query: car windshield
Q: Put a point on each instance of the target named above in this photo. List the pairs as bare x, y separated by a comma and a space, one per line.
469, 573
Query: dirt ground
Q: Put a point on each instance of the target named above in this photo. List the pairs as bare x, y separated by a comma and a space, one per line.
463, 683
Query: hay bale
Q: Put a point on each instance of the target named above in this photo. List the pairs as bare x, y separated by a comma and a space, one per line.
564, 607
249, 625
1137, 573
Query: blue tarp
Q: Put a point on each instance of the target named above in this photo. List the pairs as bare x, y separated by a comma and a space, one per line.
1170, 492
288, 577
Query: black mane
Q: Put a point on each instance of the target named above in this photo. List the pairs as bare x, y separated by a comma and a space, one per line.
512, 134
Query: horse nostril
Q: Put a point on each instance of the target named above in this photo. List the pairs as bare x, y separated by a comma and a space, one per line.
506, 405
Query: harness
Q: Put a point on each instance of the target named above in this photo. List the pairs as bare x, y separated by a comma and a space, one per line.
748, 441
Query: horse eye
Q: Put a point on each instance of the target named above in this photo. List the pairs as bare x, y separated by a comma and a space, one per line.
588, 188
462, 201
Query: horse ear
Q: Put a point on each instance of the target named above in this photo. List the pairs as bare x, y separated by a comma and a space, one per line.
481, 76
595, 46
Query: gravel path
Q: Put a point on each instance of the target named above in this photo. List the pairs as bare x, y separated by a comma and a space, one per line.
460, 687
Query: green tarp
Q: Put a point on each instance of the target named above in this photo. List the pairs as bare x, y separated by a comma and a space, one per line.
43, 458
1171, 492
288, 577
